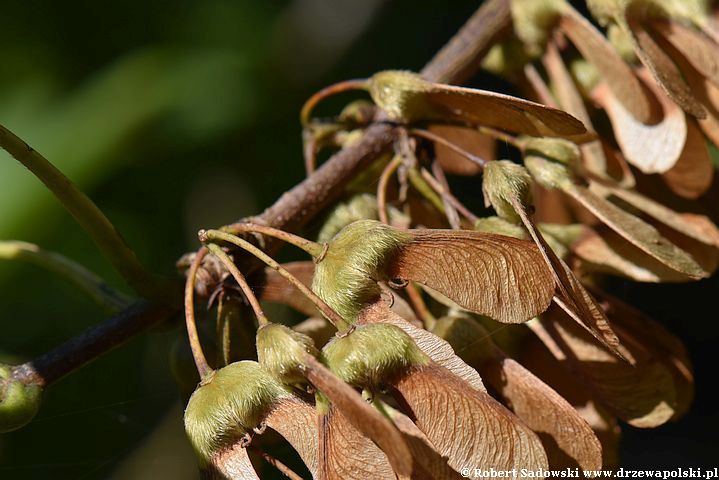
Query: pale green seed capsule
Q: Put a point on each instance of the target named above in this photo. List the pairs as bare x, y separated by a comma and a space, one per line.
281, 351
505, 182
556, 149
229, 403
372, 355
501, 226
548, 173
19, 402
346, 277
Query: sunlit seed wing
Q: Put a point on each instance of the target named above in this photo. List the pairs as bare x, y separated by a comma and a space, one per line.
407, 97
484, 273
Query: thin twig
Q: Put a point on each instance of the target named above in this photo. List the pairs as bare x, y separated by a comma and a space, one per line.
541, 89
203, 368
218, 235
284, 469
424, 189
90, 218
449, 207
314, 249
444, 191
241, 281
502, 136
387, 173
92, 343
92, 285
311, 103
309, 150
420, 307
426, 134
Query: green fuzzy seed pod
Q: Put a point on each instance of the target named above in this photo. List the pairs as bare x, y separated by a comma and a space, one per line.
566, 234
561, 237
346, 278
359, 207
622, 43
229, 403
501, 226
547, 173
373, 355
462, 332
281, 351
398, 93
681, 10
19, 402
605, 11
504, 181
506, 58
534, 20
359, 112
585, 75
557, 149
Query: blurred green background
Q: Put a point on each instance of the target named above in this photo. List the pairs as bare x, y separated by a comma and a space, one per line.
178, 115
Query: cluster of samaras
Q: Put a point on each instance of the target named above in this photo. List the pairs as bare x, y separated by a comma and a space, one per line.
434, 307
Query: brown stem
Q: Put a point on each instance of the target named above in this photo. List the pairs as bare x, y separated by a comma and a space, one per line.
92, 343
284, 469
203, 368
309, 151
382, 188
311, 103
461, 56
454, 63
241, 281
426, 134
502, 137
218, 235
313, 249
443, 190
449, 206
420, 307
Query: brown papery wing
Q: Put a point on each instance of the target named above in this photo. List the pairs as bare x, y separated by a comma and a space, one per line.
637, 327
665, 72
546, 367
493, 275
571, 295
490, 109
619, 76
651, 148
467, 426
232, 463
643, 395
603, 250
571, 440
295, 420
698, 227
693, 173
697, 48
637, 231
433, 465
362, 416
434, 347
347, 454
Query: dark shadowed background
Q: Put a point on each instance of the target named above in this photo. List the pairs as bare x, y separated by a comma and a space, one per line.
179, 115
